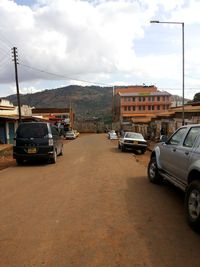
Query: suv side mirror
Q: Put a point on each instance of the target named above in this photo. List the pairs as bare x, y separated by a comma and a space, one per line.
163, 138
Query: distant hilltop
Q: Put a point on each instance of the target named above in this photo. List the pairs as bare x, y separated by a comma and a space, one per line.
86, 101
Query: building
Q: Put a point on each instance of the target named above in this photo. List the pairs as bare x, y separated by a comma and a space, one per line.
9, 120
64, 115
137, 105
191, 114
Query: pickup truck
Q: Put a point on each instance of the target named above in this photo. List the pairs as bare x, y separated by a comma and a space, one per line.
177, 160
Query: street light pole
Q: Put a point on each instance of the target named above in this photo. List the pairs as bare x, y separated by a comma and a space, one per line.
183, 63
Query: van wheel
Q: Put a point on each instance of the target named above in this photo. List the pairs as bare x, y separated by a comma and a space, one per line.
19, 161
61, 152
54, 159
192, 205
153, 173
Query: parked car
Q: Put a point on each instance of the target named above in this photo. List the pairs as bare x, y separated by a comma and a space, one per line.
134, 141
70, 135
37, 140
76, 133
178, 161
112, 135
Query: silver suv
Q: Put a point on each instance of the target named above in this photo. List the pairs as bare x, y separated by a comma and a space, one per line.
178, 161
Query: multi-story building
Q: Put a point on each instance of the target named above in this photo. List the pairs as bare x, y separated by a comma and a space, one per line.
138, 104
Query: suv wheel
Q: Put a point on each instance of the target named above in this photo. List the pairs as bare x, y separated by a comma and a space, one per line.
142, 151
123, 148
54, 159
153, 173
19, 161
192, 205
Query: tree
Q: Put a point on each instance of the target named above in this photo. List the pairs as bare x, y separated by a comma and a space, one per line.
196, 97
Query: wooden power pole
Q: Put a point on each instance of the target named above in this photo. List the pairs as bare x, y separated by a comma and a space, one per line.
16, 80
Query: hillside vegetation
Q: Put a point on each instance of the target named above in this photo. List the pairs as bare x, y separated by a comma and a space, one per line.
87, 102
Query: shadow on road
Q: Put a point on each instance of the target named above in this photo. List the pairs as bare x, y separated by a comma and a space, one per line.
31, 163
157, 212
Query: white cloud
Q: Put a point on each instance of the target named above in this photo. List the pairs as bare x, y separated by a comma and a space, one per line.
88, 40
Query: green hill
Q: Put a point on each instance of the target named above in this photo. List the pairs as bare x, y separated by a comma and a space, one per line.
87, 102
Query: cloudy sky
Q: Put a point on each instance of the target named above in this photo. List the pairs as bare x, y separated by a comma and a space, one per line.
105, 42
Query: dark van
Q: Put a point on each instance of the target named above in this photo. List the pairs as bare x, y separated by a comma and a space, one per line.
37, 140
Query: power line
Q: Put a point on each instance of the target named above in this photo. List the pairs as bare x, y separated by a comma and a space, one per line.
5, 51
192, 77
176, 89
9, 44
2, 59
63, 76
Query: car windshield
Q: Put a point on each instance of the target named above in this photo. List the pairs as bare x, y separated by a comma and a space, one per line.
32, 130
134, 135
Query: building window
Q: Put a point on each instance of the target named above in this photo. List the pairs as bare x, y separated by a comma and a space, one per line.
158, 107
133, 99
129, 98
164, 107
143, 99
143, 107
129, 108
140, 99
149, 107
158, 98
152, 107
149, 99
140, 108
163, 98
125, 108
133, 108
152, 98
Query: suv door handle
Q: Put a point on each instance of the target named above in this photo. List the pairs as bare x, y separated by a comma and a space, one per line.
174, 149
187, 153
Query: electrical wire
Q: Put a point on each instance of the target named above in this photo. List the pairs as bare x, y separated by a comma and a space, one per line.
9, 44
63, 76
3, 56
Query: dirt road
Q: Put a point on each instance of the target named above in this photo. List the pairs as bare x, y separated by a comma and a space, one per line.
95, 207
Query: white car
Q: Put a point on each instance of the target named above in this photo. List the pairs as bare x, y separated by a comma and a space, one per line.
70, 135
76, 133
112, 136
110, 133
134, 141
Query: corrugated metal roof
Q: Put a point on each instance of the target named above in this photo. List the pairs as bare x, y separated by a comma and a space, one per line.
187, 108
146, 94
138, 115
50, 110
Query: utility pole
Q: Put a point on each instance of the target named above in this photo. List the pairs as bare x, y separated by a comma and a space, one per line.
16, 80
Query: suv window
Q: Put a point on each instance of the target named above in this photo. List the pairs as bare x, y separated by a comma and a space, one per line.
177, 137
32, 130
191, 136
